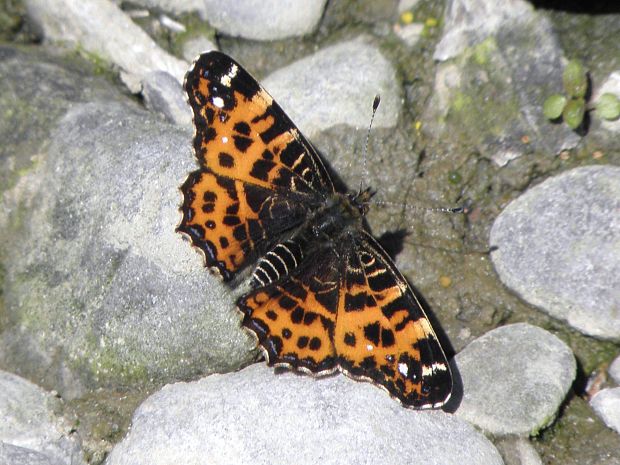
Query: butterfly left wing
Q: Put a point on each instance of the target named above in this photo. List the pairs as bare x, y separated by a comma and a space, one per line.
259, 176
382, 333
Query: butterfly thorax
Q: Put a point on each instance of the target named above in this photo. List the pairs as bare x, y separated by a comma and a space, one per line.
340, 215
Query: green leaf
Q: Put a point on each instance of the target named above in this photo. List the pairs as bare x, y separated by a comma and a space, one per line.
575, 79
553, 106
573, 112
608, 106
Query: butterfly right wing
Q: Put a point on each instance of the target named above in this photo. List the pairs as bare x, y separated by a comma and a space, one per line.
382, 333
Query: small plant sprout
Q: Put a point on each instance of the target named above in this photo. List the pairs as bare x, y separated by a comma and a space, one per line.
571, 106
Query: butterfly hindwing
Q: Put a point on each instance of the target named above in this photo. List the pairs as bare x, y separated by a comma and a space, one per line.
382, 333
351, 310
294, 317
232, 221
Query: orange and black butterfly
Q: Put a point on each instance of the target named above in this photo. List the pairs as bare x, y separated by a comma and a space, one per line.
324, 295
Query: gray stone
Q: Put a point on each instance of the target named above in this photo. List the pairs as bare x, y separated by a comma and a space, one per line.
410, 34
254, 416
558, 247
406, 5
514, 379
30, 432
164, 94
177, 7
337, 85
518, 451
101, 28
614, 370
470, 22
265, 19
98, 289
504, 60
32, 106
196, 46
606, 404
15, 455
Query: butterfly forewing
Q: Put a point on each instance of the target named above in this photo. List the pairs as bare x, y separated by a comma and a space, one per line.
243, 134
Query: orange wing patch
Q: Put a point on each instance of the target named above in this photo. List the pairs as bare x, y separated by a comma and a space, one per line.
217, 217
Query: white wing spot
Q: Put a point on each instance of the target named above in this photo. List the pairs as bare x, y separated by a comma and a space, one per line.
403, 369
218, 102
227, 78
428, 370
224, 139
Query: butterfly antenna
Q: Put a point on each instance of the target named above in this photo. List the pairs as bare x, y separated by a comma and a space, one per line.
375, 105
463, 209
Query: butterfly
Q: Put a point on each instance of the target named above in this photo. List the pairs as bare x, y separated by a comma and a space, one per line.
323, 295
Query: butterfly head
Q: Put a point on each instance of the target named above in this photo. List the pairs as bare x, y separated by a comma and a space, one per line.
361, 199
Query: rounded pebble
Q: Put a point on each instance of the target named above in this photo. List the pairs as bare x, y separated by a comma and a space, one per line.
606, 404
265, 19
558, 247
337, 85
514, 379
614, 369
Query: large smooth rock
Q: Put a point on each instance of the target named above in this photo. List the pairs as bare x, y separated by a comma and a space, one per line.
98, 288
256, 417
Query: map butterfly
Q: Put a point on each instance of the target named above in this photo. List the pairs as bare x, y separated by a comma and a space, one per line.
324, 295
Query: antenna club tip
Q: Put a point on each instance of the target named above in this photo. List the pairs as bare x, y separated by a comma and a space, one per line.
376, 102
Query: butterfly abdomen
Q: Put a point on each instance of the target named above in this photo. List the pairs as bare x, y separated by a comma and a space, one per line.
278, 262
